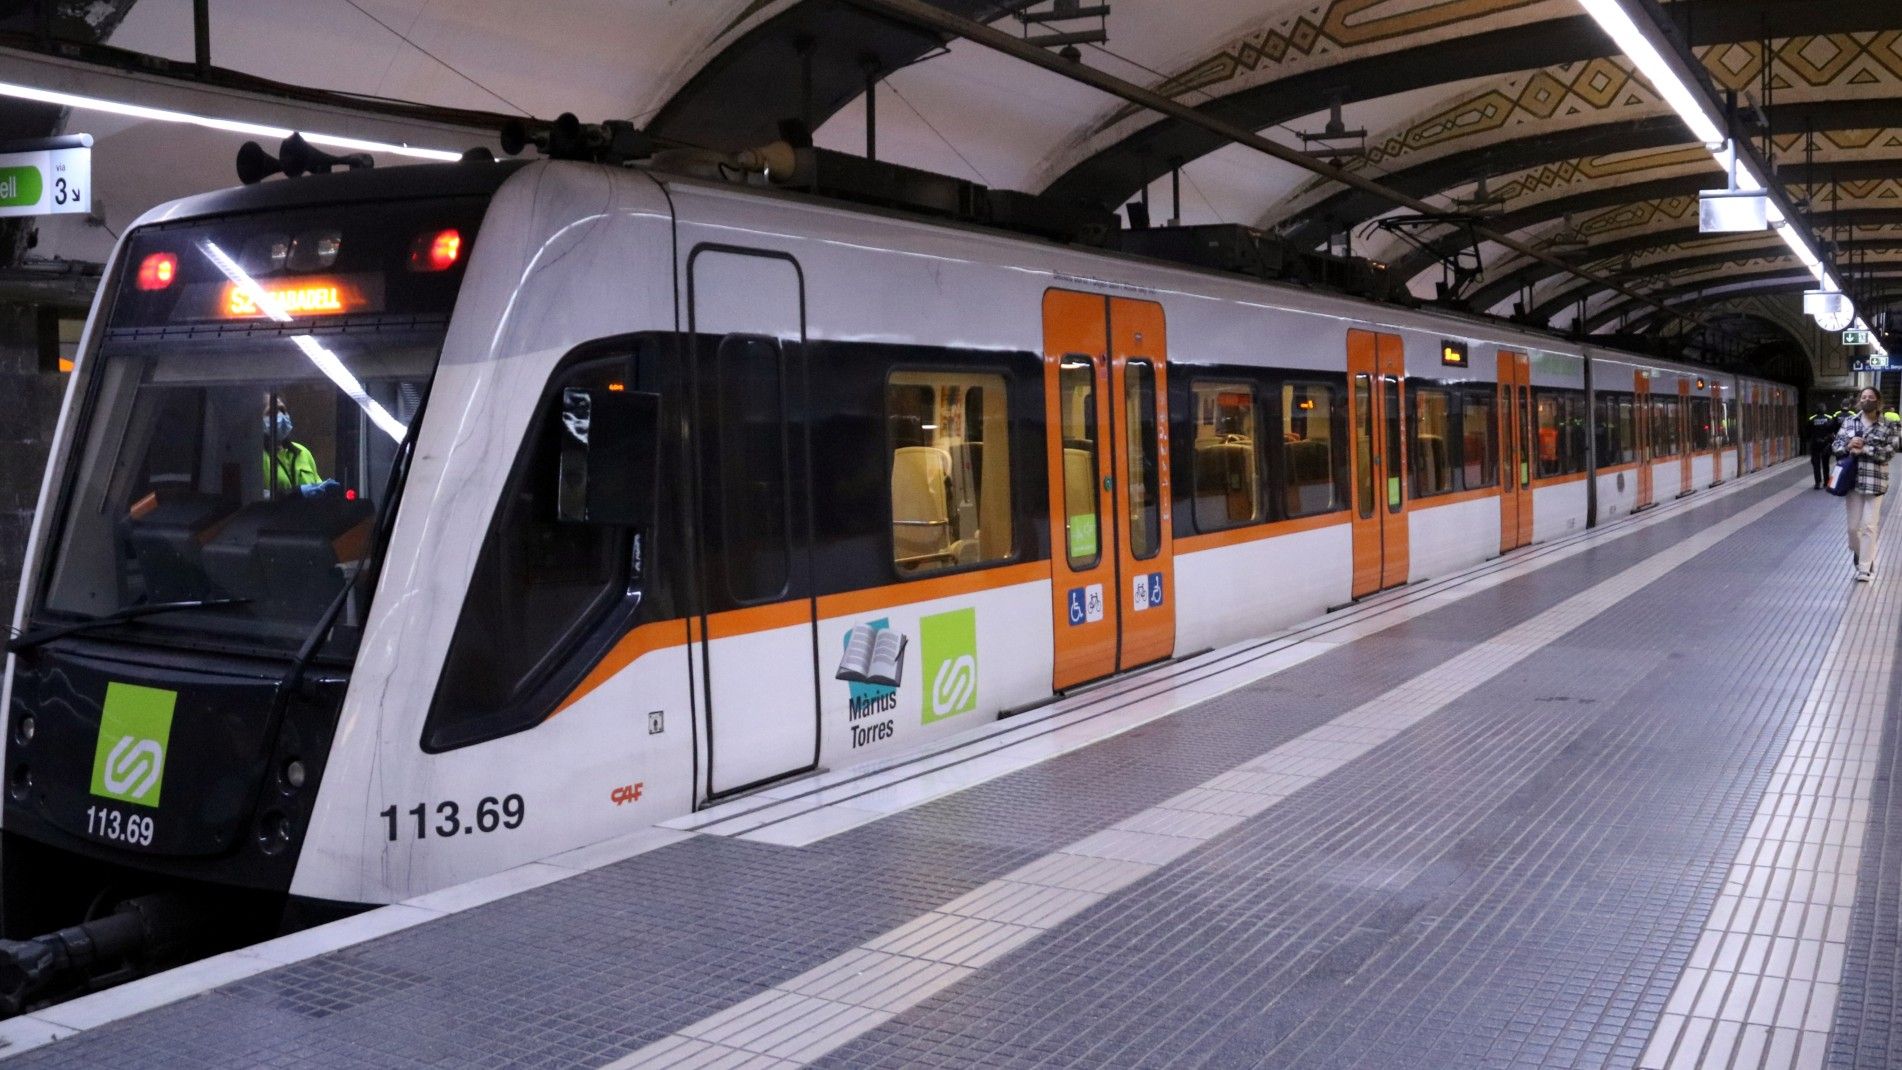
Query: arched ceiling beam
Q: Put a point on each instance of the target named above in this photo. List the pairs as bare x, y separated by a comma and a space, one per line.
1794, 175
738, 98
1506, 286
1350, 208
922, 13
1692, 261
1115, 174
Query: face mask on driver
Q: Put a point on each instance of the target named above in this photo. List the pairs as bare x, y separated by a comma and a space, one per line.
280, 428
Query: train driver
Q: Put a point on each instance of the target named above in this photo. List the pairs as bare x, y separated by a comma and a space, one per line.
288, 465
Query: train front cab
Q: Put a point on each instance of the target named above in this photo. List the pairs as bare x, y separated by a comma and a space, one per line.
198, 582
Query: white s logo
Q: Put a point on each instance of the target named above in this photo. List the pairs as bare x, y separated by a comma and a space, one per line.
955, 685
132, 767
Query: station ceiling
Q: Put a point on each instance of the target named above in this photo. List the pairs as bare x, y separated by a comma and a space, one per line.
1578, 155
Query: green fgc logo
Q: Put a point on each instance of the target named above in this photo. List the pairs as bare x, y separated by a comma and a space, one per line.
950, 662
135, 727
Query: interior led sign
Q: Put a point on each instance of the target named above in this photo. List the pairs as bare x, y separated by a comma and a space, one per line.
1453, 354
306, 297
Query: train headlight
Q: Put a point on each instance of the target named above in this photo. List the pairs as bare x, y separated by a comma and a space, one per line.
23, 732
294, 774
20, 782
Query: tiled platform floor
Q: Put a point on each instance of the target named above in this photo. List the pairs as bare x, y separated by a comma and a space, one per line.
1520, 830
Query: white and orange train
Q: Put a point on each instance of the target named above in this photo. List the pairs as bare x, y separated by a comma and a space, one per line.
407, 525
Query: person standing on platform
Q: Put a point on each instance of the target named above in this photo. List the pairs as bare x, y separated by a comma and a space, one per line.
1822, 435
1871, 440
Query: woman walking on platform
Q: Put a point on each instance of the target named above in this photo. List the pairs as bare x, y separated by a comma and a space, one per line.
1870, 440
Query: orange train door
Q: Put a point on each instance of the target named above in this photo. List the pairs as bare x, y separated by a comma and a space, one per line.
1376, 371
1515, 437
1106, 407
1684, 438
1716, 433
1641, 411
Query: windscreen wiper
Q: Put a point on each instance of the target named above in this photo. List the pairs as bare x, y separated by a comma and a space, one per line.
28, 640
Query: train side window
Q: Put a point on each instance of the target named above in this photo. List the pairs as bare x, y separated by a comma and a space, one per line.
1663, 427
1627, 430
1604, 430
1076, 405
538, 586
1431, 465
1227, 454
1551, 416
950, 470
1307, 437
1700, 425
1479, 439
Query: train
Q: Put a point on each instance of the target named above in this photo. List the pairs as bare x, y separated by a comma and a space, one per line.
405, 525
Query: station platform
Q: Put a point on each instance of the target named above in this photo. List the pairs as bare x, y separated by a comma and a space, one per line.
1620, 800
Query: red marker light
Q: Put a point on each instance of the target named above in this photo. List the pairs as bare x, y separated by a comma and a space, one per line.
435, 252
350, 495
157, 271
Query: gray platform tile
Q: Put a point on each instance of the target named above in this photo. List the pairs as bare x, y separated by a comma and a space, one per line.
592, 967
1599, 814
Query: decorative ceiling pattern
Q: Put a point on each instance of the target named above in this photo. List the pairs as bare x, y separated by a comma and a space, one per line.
1309, 37
1605, 93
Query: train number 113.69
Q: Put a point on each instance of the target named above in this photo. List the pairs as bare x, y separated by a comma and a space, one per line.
491, 814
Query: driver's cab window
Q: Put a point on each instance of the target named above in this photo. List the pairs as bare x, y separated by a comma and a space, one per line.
244, 470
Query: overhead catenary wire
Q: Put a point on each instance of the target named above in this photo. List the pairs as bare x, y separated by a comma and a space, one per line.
919, 13
445, 64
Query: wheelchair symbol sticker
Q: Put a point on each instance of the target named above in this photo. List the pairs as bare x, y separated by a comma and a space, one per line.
1085, 604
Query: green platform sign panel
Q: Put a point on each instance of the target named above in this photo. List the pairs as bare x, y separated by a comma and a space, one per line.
46, 182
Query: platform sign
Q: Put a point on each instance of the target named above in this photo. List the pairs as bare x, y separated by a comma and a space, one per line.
1856, 337
46, 182
1876, 363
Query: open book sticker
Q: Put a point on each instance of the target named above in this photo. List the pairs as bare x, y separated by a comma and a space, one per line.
873, 655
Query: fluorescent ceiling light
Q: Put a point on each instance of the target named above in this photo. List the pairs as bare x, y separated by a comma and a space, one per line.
1613, 19
232, 126
1689, 104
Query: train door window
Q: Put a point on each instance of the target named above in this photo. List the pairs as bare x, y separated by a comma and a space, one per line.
1525, 436
1307, 449
1227, 452
539, 584
1479, 439
1082, 522
1396, 439
1364, 442
1627, 430
950, 470
1551, 417
1431, 463
752, 449
1145, 468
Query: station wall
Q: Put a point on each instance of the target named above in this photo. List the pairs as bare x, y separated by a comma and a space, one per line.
29, 404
